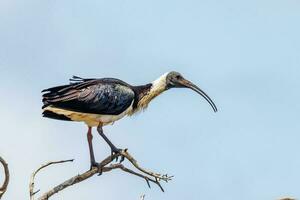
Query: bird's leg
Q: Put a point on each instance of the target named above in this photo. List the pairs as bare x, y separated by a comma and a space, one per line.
92, 157
114, 149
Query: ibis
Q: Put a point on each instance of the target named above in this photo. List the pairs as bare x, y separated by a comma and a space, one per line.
101, 101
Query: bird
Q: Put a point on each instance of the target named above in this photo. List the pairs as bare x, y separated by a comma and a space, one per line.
101, 101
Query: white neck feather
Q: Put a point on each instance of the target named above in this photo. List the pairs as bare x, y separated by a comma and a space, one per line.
158, 86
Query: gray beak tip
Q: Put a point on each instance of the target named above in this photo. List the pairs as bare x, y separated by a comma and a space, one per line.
192, 86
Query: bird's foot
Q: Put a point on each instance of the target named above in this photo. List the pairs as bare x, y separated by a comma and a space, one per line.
97, 165
117, 152
94, 164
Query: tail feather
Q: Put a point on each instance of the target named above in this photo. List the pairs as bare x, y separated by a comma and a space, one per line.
65, 92
52, 115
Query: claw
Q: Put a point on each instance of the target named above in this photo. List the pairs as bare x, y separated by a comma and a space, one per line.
122, 159
100, 170
116, 151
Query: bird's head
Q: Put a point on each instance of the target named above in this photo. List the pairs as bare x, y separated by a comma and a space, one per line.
176, 80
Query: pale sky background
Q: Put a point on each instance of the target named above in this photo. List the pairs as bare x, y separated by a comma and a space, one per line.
244, 54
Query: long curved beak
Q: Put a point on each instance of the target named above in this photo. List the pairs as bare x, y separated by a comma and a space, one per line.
188, 84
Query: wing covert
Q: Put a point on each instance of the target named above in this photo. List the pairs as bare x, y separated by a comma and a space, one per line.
101, 98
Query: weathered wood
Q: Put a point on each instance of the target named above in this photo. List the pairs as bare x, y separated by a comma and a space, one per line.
3, 188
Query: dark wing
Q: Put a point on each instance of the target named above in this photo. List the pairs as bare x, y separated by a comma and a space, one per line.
96, 96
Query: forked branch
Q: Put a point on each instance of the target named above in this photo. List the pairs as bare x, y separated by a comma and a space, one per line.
3, 188
105, 166
31, 184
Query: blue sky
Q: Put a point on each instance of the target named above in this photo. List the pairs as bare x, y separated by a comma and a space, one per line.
244, 54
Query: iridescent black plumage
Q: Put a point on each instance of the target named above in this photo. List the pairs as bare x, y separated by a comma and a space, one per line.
105, 96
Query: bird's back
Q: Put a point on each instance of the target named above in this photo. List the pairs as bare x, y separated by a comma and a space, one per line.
106, 96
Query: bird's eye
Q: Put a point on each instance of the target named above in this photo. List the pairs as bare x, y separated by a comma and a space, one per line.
178, 77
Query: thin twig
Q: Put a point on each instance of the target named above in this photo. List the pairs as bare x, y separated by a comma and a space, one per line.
159, 177
102, 168
3, 188
125, 169
31, 184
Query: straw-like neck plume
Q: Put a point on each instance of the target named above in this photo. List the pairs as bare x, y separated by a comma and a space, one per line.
155, 88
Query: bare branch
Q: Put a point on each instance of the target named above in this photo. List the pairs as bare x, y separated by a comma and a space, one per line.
125, 169
31, 184
102, 168
159, 177
3, 188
